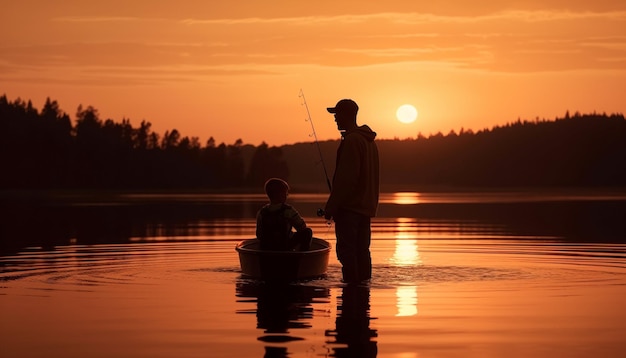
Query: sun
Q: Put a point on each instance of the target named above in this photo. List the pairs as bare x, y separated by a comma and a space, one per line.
406, 113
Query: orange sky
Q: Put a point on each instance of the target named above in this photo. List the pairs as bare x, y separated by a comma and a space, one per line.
233, 69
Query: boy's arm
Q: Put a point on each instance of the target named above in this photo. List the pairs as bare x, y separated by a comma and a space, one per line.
258, 225
295, 219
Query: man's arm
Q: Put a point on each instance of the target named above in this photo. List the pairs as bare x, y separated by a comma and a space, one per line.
346, 177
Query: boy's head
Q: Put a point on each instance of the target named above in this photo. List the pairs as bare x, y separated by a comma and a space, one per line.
276, 190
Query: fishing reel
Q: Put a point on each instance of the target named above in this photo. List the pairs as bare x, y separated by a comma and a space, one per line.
321, 213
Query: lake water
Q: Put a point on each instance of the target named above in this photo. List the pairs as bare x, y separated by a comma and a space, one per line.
495, 274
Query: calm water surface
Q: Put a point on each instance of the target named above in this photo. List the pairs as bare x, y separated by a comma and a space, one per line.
455, 275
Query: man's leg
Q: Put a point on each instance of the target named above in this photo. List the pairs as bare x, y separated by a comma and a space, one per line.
346, 230
364, 258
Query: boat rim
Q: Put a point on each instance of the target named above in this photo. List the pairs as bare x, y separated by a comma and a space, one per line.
241, 247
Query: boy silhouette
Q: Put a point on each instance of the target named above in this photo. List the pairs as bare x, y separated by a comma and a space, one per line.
276, 220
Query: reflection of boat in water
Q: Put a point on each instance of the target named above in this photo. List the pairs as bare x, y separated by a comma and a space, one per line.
282, 308
283, 265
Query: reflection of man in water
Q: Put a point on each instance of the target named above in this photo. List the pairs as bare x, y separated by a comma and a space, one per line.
352, 324
354, 196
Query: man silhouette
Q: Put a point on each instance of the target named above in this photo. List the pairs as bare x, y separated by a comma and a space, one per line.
353, 200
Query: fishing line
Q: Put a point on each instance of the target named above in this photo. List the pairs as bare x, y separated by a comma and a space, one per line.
317, 143
320, 211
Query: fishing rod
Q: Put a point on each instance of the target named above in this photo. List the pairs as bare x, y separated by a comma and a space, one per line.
319, 149
320, 211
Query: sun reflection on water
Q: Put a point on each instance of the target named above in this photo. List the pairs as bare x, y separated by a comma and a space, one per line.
406, 250
406, 301
405, 198
406, 254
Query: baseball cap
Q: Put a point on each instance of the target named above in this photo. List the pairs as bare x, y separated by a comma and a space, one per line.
344, 105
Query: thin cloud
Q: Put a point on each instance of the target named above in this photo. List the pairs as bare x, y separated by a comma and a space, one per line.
299, 21
101, 19
392, 24
391, 52
416, 18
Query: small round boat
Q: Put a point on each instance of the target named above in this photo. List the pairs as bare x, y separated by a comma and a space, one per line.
283, 265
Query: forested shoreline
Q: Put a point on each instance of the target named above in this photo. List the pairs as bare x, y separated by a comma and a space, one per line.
45, 149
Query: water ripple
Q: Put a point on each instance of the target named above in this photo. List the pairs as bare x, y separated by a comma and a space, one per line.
81, 268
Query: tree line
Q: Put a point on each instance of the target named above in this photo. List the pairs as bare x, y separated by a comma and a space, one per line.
583, 150
579, 150
47, 150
